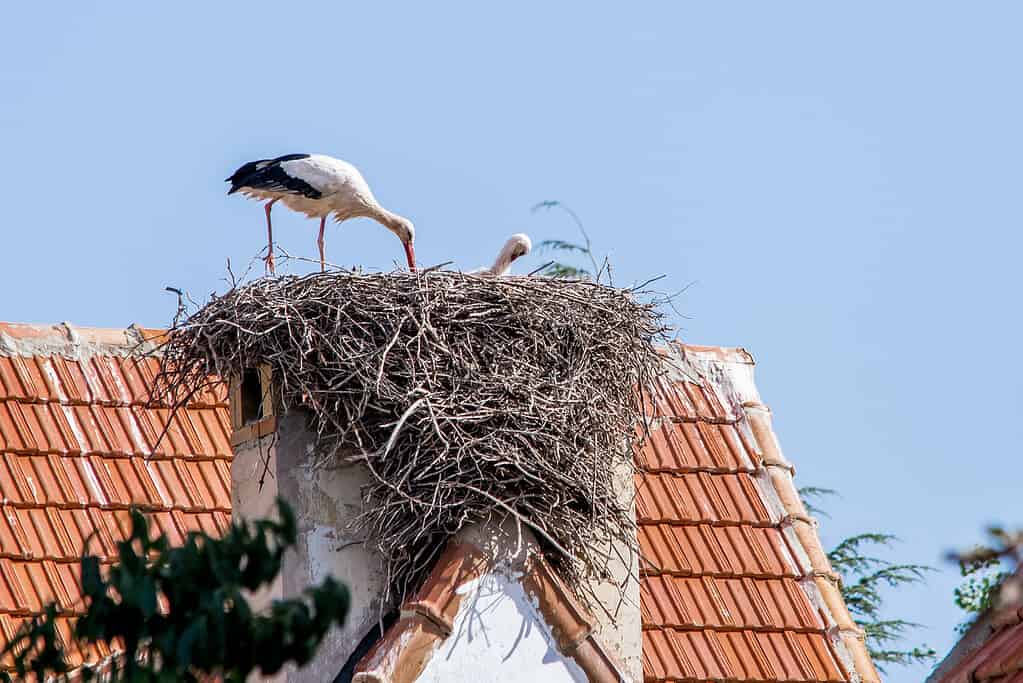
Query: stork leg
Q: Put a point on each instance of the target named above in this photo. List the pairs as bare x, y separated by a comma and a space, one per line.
319, 241
269, 240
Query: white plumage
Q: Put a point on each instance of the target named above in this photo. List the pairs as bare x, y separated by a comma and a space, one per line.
518, 245
318, 186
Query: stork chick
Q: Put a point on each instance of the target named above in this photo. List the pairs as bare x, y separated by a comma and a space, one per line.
318, 186
517, 246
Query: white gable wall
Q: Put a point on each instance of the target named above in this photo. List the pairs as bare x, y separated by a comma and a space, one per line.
499, 635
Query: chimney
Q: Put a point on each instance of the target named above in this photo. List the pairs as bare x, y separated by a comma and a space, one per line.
272, 458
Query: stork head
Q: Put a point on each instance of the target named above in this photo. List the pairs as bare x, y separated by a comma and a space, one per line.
520, 245
517, 246
406, 232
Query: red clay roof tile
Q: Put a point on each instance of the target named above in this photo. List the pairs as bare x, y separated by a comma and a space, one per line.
75, 425
723, 595
993, 649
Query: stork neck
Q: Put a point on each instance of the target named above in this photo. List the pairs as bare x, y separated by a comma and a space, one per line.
388, 219
503, 261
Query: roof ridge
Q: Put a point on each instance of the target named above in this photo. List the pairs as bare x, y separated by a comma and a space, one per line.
76, 342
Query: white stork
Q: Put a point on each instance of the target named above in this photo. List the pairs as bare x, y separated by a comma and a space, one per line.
317, 185
518, 245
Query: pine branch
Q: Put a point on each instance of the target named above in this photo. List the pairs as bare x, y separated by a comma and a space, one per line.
865, 576
809, 494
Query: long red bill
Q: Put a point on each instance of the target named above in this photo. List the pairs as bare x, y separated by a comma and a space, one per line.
410, 254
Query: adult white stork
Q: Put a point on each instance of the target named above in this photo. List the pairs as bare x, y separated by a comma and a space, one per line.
318, 186
518, 245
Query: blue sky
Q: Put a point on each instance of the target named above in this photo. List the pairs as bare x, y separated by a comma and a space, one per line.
839, 183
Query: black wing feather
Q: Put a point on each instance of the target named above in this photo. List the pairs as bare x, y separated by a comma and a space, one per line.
267, 174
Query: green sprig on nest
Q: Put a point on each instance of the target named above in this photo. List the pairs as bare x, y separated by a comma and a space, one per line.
467, 397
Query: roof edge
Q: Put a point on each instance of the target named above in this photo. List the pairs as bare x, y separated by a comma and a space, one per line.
729, 372
961, 661
75, 342
850, 637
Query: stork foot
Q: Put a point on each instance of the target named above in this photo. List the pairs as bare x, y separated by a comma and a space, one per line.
269, 261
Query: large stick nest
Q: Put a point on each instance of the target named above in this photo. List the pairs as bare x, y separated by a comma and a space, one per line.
467, 397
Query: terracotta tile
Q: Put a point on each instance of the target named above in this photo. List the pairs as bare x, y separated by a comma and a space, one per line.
66, 422
38, 591
19, 426
10, 384
223, 520
104, 534
9, 542
28, 375
135, 385
110, 482
698, 399
136, 442
135, 491
60, 376
1001, 653
98, 392
658, 660
20, 590
671, 400
668, 548
115, 434
109, 372
218, 495
48, 543
50, 379
717, 446
43, 479
13, 484
35, 415
8, 601
12, 440
217, 431
821, 655
84, 428
166, 524
196, 495
148, 489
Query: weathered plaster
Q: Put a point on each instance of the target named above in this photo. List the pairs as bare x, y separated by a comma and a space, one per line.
73, 342
619, 624
325, 501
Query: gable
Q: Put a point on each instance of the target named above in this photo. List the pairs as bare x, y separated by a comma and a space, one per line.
499, 634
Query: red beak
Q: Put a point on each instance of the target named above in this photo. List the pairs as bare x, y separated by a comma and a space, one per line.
410, 254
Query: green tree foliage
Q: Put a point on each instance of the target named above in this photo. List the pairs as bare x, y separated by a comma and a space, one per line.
559, 268
180, 613
976, 594
864, 578
986, 569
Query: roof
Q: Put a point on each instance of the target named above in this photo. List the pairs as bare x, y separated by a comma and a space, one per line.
991, 651
735, 585
78, 444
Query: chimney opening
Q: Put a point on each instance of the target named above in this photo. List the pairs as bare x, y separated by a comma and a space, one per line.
252, 396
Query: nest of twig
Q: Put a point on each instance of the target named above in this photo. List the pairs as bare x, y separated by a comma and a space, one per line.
467, 397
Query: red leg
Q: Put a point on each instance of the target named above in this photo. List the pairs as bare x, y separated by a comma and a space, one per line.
319, 241
269, 240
